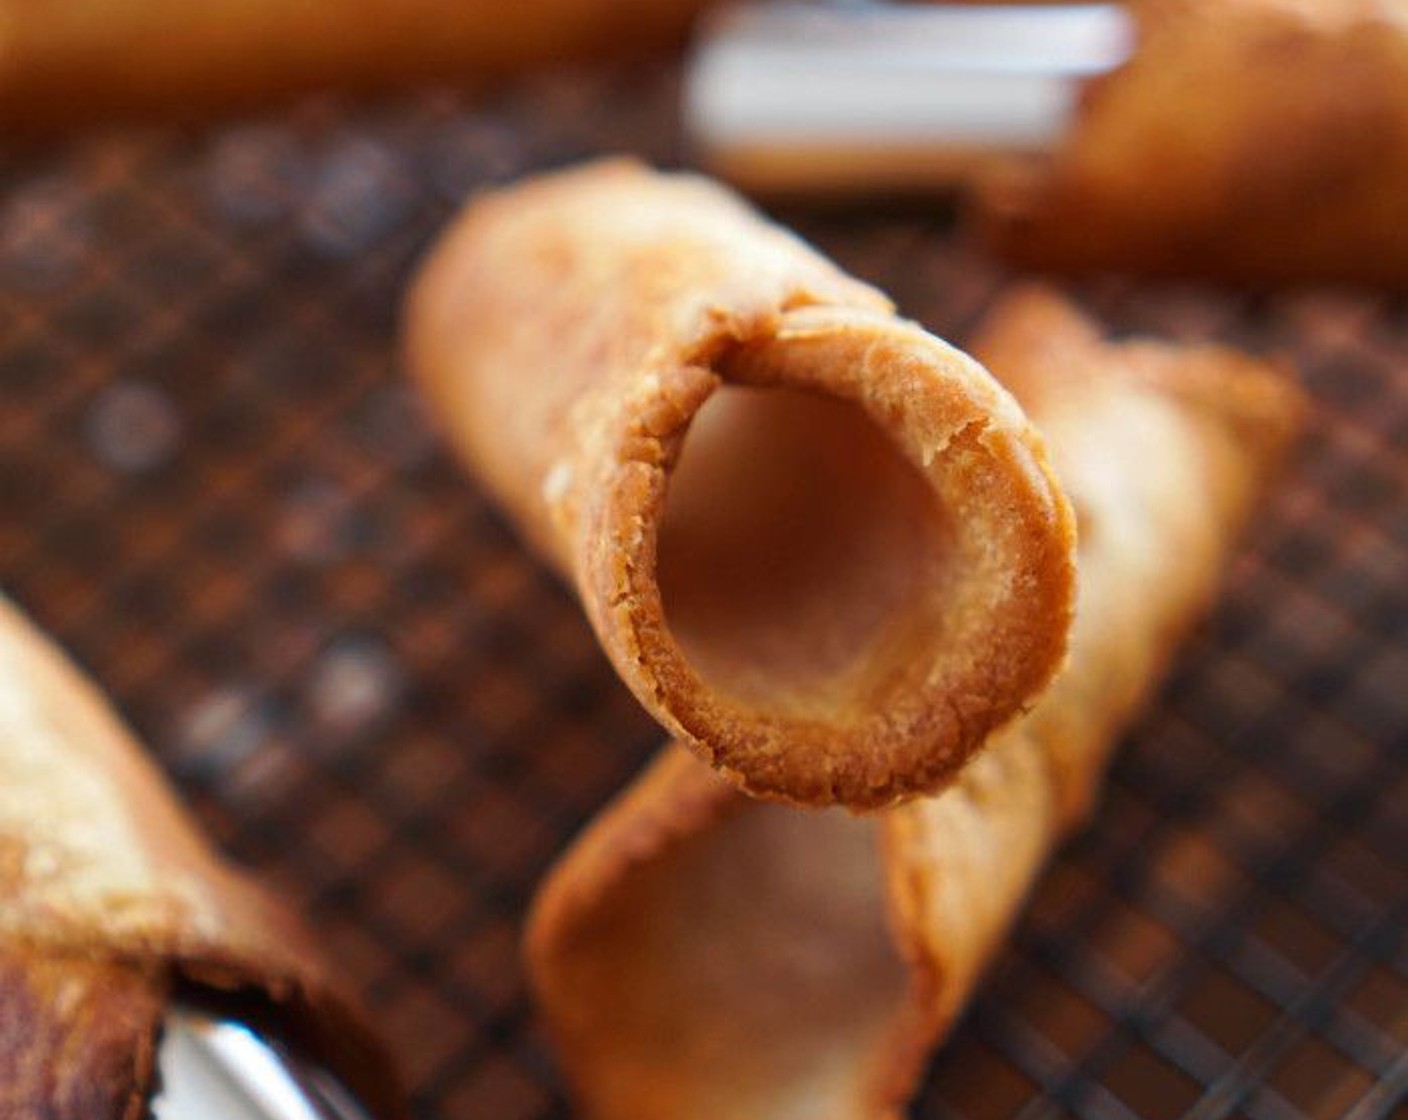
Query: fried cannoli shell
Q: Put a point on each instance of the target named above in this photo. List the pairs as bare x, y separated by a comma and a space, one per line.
112, 903
698, 954
67, 63
821, 546
1264, 140
1163, 450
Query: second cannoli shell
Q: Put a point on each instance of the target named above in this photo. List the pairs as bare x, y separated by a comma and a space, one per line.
697, 954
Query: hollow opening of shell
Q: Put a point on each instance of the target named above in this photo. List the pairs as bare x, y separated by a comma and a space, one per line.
798, 552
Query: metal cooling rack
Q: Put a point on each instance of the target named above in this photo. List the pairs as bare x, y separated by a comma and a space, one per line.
217, 491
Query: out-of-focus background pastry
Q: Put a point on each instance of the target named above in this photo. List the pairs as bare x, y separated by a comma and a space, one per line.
1262, 141
69, 63
1265, 140
218, 491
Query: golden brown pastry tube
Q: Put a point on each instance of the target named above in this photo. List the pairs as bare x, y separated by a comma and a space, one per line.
111, 899
70, 62
697, 954
820, 546
1262, 140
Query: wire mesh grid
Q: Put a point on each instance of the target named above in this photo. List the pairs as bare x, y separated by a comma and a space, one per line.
218, 492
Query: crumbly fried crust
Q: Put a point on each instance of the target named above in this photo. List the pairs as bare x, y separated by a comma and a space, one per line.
573, 333
697, 954
111, 898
